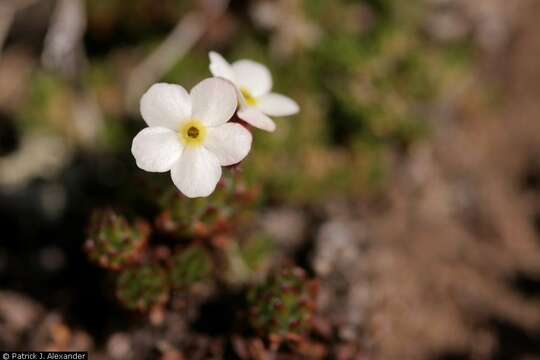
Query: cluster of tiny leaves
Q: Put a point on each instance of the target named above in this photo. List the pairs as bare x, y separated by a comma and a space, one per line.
115, 244
141, 287
283, 305
149, 284
204, 217
112, 242
256, 251
148, 274
190, 266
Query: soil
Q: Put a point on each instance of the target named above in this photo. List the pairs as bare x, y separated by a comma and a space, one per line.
455, 258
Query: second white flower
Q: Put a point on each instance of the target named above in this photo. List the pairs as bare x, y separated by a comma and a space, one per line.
254, 85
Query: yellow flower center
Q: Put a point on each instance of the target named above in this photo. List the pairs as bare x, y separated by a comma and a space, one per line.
250, 100
193, 133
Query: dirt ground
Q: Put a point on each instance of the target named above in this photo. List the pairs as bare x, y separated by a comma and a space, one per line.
454, 260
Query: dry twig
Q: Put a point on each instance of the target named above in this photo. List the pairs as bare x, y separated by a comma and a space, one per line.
8, 8
63, 49
184, 36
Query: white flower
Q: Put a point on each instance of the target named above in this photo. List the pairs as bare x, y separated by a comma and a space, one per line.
254, 82
189, 135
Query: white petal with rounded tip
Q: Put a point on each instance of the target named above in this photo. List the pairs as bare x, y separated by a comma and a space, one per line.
197, 172
214, 101
165, 105
156, 149
277, 105
256, 118
230, 142
220, 67
253, 76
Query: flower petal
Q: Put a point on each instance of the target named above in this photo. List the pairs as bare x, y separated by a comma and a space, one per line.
277, 105
156, 149
197, 172
220, 67
255, 117
230, 142
255, 77
165, 105
214, 101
